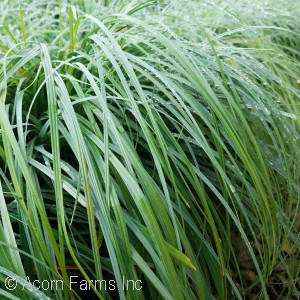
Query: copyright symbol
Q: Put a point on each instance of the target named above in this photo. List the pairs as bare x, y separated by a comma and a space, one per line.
10, 283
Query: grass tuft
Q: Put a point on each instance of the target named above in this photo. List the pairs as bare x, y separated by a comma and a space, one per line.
153, 142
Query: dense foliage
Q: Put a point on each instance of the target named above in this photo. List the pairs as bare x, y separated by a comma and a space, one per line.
154, 141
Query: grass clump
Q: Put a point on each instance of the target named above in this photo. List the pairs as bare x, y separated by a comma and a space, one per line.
143, 144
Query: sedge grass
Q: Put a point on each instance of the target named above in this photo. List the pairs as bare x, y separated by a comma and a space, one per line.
143, 142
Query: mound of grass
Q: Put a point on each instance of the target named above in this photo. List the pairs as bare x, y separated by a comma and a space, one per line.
149, 150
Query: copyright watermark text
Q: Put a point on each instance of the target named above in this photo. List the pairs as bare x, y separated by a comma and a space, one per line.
74, 282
